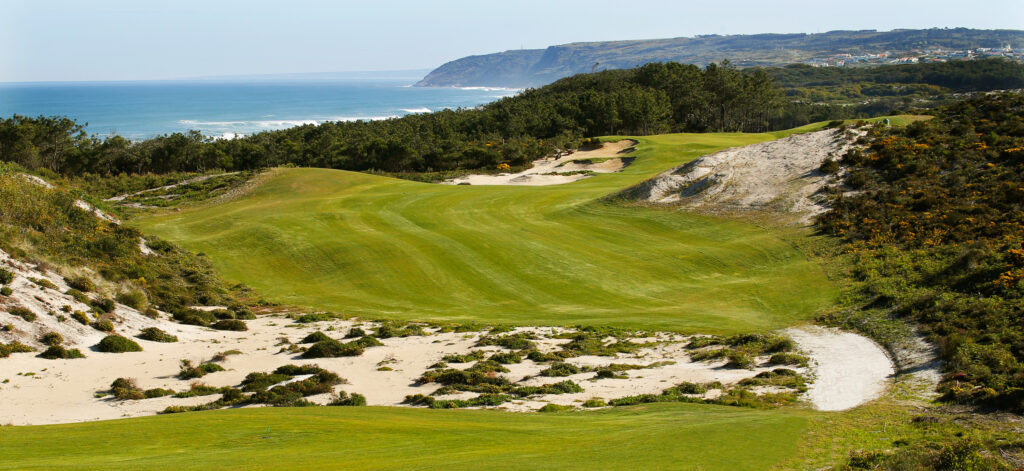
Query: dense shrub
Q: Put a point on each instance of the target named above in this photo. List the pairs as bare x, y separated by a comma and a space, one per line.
57, 352
554, 408
117, 344
134, 299
315, 337
6, 291
345, 399
103, 325
191, 371
23, 313
81, 283
78, 295
331, 349
104, 305
560, 369
6, 277
154, 334
231, 324
124, 389
51, 339
81, 317
355, 332
14, 347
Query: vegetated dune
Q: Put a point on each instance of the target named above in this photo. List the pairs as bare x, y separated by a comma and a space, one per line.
566, 167
781, 176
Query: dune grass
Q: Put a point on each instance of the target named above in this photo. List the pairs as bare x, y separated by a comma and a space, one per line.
658, 436
379, 247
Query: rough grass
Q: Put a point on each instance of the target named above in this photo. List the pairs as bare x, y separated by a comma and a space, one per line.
700, 437
550, 255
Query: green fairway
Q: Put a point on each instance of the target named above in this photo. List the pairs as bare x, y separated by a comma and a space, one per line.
380, 247
660, 436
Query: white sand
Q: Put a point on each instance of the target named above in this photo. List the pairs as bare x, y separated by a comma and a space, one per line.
849, 369
555, 170
780, 175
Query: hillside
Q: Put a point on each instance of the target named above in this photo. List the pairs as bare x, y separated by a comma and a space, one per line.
422, 251
536, 67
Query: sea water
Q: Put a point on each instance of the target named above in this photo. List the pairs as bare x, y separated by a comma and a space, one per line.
224, 108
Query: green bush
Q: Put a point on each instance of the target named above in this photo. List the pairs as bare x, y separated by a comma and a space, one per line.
315, 337
473, 355
193, 317
354, 333
81, 317
554, 408
23, 313
103, 325
331, 349
788, 358
81, 283
157, 392
595, 402
6, 277
6, 291
58, 352
506, 358
154, 334
560, 369
78, 295
344, 399
104, 305
117, 344
134, 299
14, 347
51, 339
367, 341
124, 389
231, 324
189, 371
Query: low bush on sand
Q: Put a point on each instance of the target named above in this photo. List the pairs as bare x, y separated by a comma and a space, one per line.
117, 344
81, 283
788, 358
345, 399
103, 305
134, 299
124, 389
391, 329
355, 332
231, 324
78, 296
51, 339
23, 313
103, 325
81, 317
595, 402
14, 347
6, 277
154, 334
315, 337
333, 348
560, 369
190, 371
58, 352
519, 341
6, 291
473, 355
506, 358
554, 408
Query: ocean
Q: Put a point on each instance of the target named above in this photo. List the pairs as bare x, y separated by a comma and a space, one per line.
226, 108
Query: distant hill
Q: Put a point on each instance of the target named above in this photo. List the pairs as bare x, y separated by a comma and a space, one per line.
535, 67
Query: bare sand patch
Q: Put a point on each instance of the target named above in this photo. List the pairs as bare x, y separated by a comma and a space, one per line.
565, 167
849, 369
780, 175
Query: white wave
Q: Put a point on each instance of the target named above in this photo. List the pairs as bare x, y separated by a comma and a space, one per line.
416, 110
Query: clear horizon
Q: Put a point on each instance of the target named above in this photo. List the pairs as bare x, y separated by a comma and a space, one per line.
118, 40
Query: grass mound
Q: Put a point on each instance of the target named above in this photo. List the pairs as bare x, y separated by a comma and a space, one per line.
117, 344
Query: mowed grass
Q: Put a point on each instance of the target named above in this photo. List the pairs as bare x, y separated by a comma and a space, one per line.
659, 436
379, 247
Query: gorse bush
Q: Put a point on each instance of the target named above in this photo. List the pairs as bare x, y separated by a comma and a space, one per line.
6, 277
117, 344
936, 238
190, 371
81, 283
103, 325
57, 352
154, 334
23, 313
14, 347
51, 339
315, 337
231, 324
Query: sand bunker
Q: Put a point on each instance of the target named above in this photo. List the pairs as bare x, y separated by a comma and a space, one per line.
564, 168
780, 175
849, 369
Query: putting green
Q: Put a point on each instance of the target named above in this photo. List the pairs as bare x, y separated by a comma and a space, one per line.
379, 247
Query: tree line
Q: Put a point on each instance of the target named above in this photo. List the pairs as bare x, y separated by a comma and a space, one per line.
654, 98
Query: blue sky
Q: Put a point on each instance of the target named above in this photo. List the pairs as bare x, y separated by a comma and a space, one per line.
137, 40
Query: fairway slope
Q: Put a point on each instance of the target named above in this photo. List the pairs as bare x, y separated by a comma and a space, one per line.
380, 247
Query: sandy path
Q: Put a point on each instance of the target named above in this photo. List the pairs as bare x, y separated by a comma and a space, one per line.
115, 199
849, 369
540, 174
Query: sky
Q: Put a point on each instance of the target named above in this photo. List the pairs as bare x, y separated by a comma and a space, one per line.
83, 40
